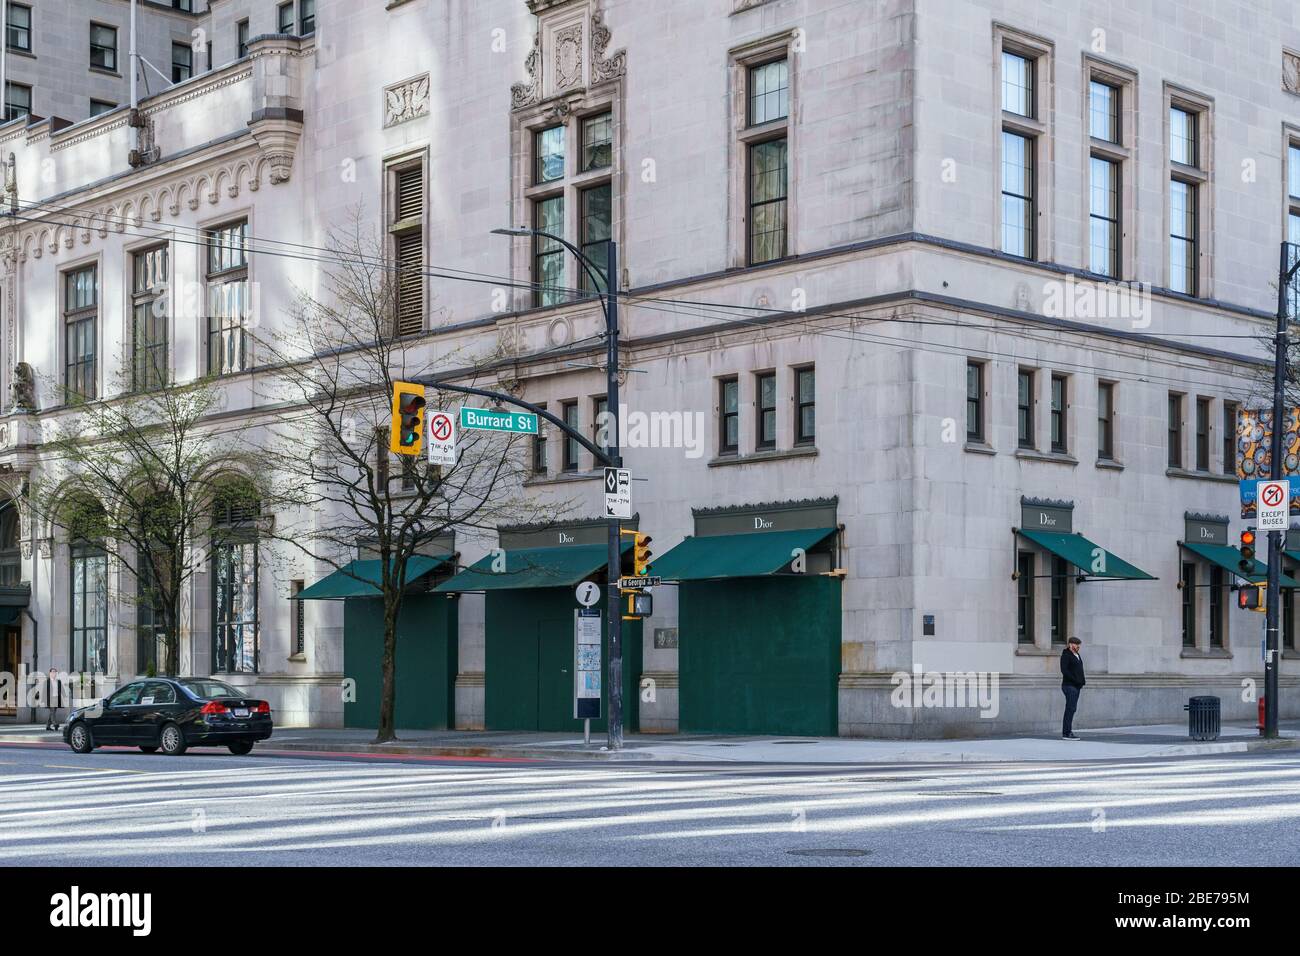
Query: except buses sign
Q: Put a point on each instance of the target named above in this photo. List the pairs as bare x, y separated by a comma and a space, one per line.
490, 420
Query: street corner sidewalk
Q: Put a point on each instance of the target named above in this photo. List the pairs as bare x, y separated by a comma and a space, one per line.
1108, 744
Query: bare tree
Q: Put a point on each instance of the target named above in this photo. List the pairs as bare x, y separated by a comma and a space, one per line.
338, 486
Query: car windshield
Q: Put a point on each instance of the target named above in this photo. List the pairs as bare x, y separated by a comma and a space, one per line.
207, 689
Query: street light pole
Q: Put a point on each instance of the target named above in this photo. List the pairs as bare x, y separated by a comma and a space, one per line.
1276, 539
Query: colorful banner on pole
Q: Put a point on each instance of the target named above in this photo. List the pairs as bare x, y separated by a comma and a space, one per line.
1255, 457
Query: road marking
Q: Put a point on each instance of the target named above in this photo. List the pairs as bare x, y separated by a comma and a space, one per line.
64, 766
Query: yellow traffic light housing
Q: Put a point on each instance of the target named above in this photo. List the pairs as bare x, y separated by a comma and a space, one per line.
1247, 562
641, 555
407, 433
1251, 597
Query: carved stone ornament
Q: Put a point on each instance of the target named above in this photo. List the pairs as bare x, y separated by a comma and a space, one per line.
568, 58
24, 388
523, 95
406, 101
602, 67
1291, 72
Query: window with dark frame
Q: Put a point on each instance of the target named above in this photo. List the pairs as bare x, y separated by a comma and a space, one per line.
805, 412
182, 62
974, 402
1018, 95
597, 142
88, 608
1202, 434
1230, 438
729, 419
1189, 603
407, 230
1103, 111
1288, 619
1018, 215
540, 464
1175, 431
306, 17
548, 155
80, 325
18, 101
284, 18
1217, 594
1060, 600
100, 107
103, 47
767, 102
241, 39
227, 285
11, 558
149, 319
235, 570
765, 430
1025, 408
1184, 198
1103, 217
600, 427
19, 28
1025, 597
548, 254
595, 232
569, 414
299, 618
1060, 406
1106, 421
150, 631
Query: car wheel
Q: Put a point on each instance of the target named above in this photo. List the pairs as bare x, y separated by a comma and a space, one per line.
80, 739
240, 748
148, 749
173, 740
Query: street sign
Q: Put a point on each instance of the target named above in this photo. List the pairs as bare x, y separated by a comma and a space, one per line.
586, 664
588, 593
1249, 488
442, 439
1273, 505
618, 493
497, 420
646, 581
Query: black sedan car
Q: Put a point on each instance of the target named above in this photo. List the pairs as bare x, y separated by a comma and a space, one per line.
171, 715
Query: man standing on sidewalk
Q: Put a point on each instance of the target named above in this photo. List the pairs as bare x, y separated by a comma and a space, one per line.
1072, 681
51, 718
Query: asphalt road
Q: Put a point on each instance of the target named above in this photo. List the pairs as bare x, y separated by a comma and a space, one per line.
210, 808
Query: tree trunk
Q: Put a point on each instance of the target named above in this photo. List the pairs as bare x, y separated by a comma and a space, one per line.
388, 688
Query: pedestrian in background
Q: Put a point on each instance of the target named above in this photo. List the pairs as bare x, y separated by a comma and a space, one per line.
51, 721
1072, 681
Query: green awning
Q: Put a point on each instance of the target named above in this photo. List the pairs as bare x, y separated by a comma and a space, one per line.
1227, 557
361, 579
9, 614
555, 567
753, 555
1293, 555
1083, 554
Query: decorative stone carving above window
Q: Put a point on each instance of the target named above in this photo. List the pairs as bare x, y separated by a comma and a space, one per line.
406, 101
1291, 72
569, 52
746, 5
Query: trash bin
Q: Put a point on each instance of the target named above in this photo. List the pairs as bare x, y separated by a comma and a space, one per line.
1203, 718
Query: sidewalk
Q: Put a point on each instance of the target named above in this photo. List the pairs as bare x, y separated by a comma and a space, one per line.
1112, 743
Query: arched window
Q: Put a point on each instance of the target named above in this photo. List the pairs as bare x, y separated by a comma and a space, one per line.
11, 569
153, 581
234, 580
88, 579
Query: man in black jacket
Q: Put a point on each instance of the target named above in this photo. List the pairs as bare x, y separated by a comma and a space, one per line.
1072, 681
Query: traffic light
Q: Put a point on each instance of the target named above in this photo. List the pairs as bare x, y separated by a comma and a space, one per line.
1250, 597
1247, 562
641, 555
407, 434
639, 604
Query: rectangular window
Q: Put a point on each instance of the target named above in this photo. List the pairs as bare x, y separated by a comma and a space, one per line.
1175, 435
1288, 619
548, 254
1103, 111
1183, 241
1060, 600
227, 284
149, 319
569, 413
766, 407
1103, 217
18, 101
1060, 405
1025, 408
234, 606
299, 618
598, 142
1182, 136
769, 92
1189, 603
150, 631
768, 194
1018, 195
1293, 171
1106, 421
1025, 597
1017, 84
182, 62
103, 47
1202, 434
89, 609
306, 17
407, 229
1217, 594
1229, 438
595, 233
19, 32
729, 420
548, 155
974, 402
805, 417
539, 446
241, 40
284, 18
100, 107
80, 314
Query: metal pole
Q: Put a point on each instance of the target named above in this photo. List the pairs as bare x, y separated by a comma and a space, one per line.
1275, 538
613, 602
